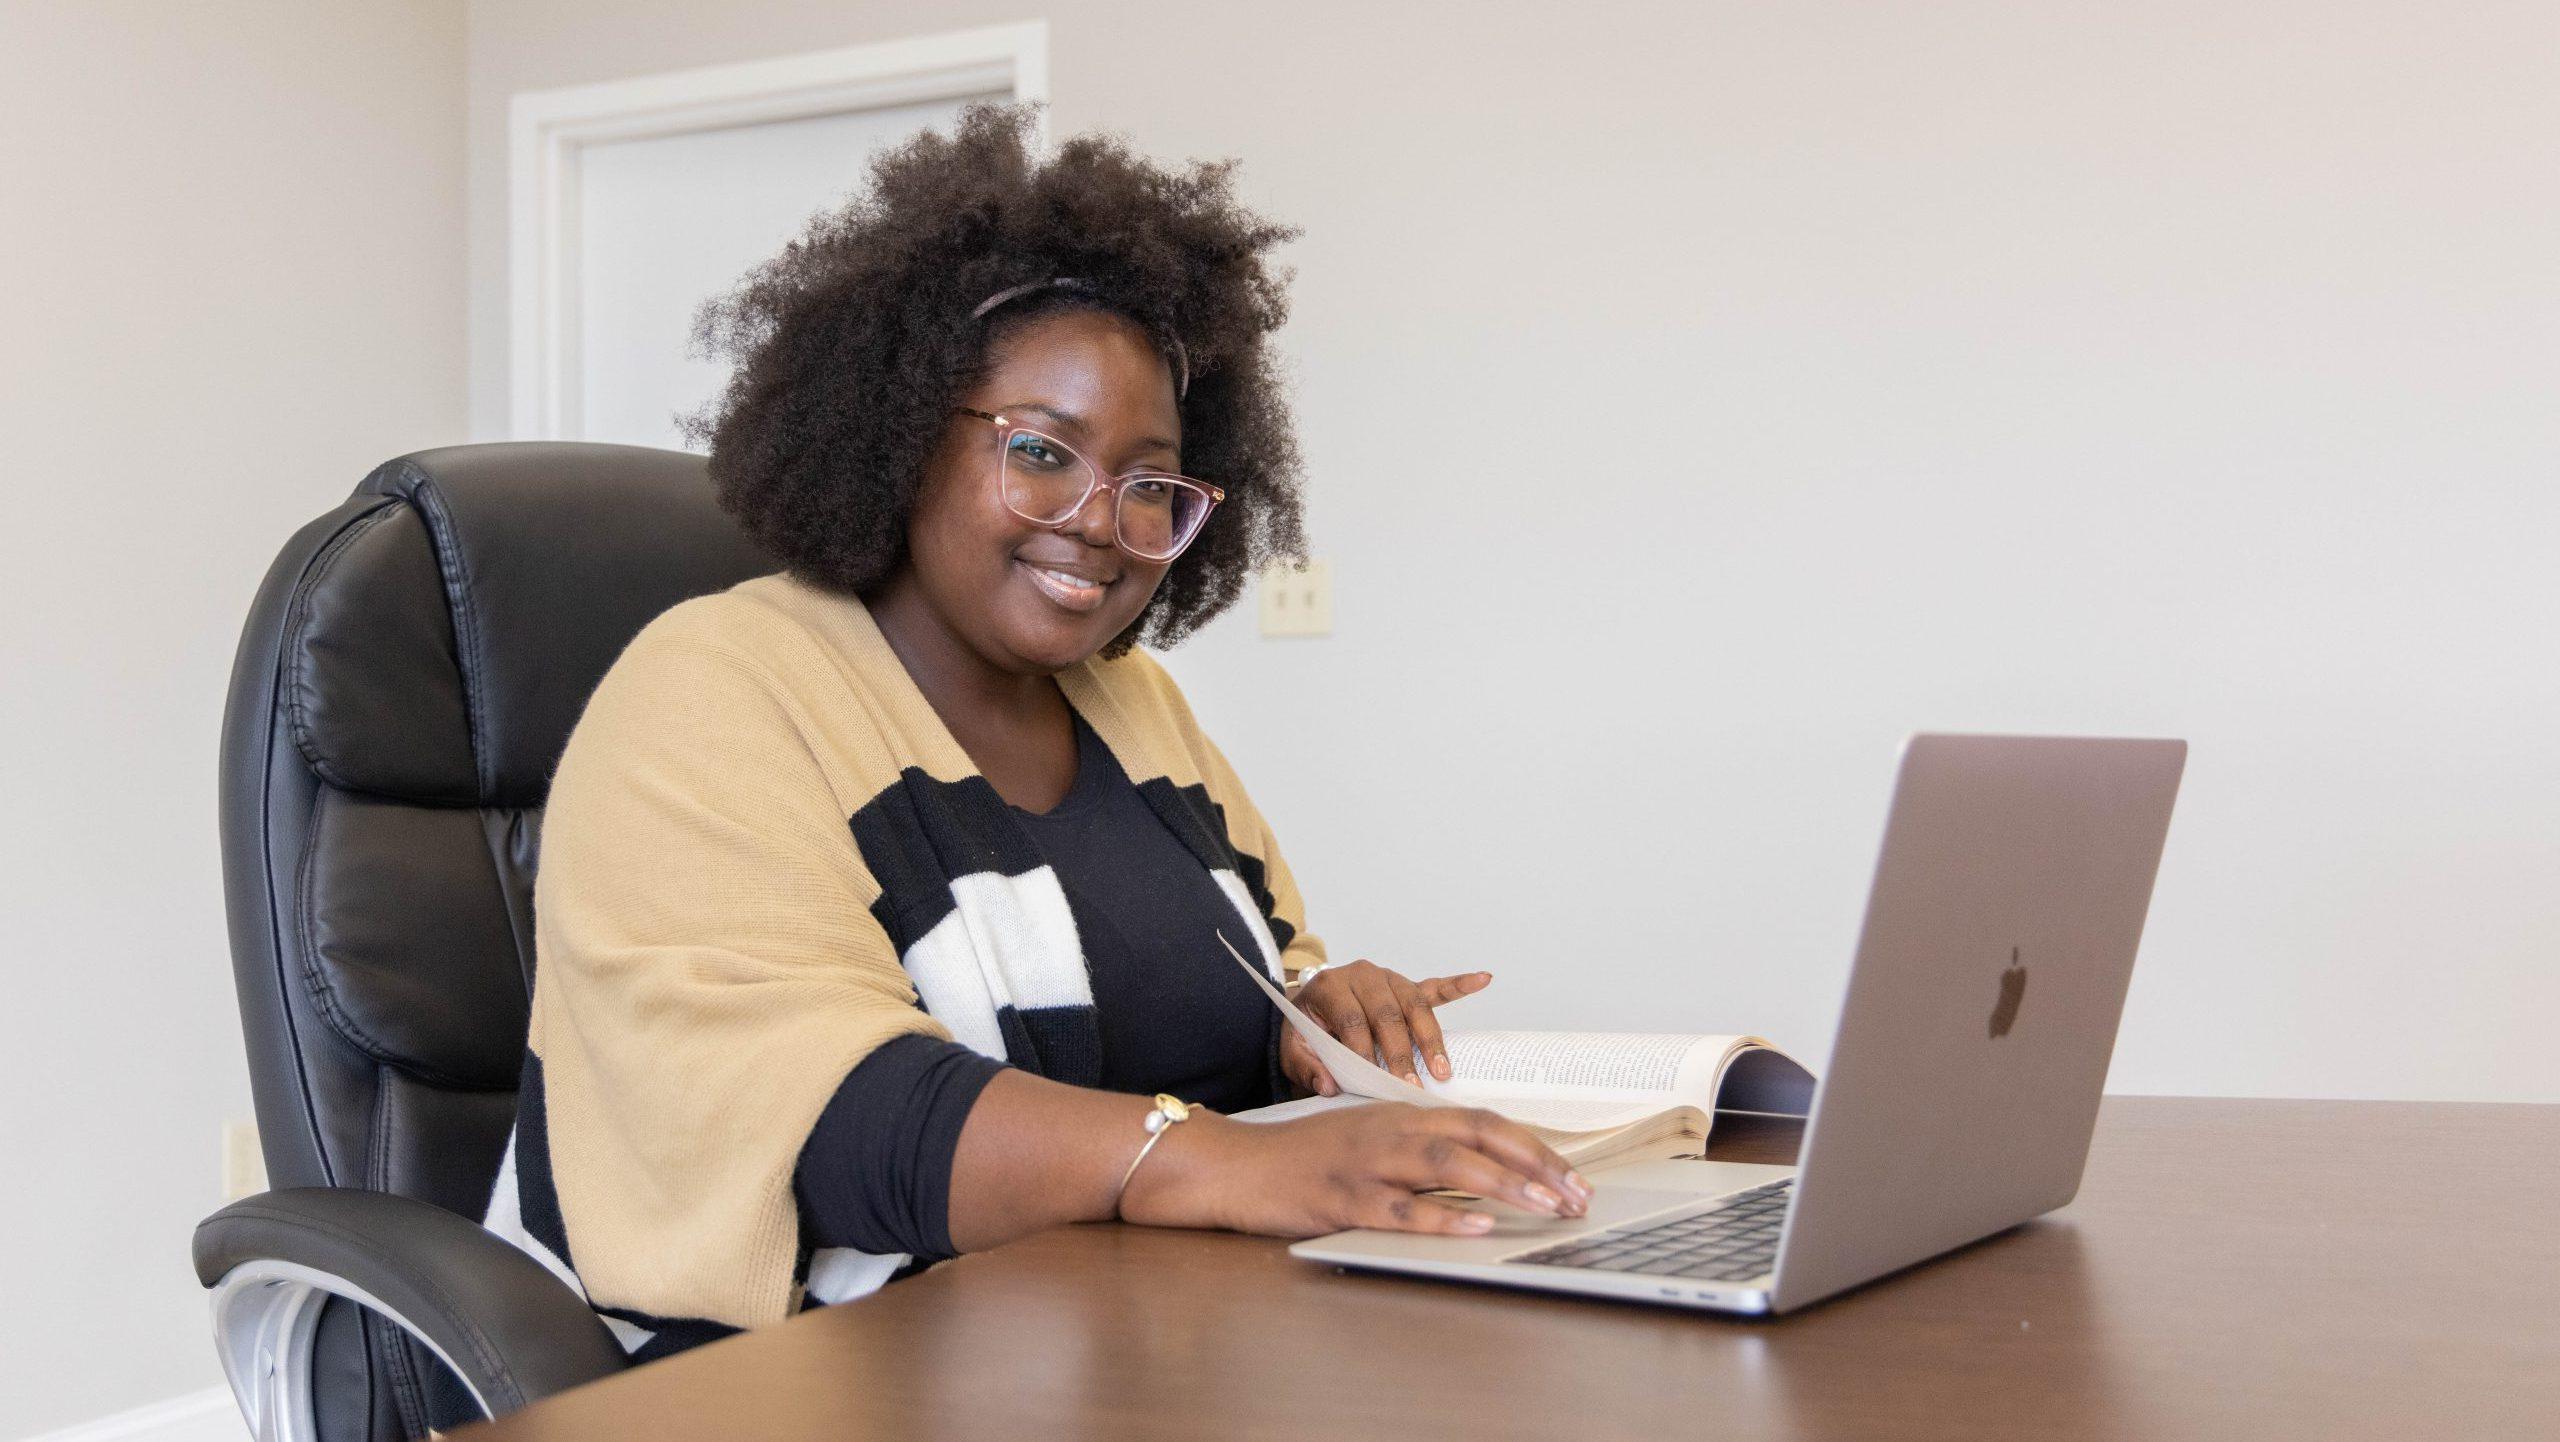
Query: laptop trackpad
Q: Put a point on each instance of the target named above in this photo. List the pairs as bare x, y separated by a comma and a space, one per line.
1513, 1230
1627, 1192
1610, 1206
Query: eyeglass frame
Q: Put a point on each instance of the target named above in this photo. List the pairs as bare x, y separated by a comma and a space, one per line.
1094, 481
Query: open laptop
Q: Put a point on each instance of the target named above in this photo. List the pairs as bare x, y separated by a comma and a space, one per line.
1964, 1079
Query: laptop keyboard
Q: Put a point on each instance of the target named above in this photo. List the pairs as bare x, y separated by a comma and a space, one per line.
1732, 1241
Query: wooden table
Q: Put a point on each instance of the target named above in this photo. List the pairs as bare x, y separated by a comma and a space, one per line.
2231, 1269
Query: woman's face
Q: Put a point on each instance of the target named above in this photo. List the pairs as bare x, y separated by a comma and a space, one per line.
1029, 598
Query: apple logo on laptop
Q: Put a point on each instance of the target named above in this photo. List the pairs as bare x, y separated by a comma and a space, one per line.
2013, 989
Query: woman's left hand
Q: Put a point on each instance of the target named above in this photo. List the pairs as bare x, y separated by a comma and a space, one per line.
1378, 1013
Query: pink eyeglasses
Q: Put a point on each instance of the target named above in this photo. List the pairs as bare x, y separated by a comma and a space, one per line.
1045, 481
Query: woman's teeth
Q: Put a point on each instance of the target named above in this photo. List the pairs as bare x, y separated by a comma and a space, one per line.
1073, 592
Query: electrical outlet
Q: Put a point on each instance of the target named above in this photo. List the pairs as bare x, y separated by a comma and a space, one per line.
1297, 601
244, 1167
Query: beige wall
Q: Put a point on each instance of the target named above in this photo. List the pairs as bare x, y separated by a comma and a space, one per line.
230, 281
1700, 396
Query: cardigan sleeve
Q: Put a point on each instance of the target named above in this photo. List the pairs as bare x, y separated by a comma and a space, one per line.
1265, 870
708, 971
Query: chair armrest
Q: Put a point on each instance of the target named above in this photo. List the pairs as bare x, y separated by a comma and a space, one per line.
503, 1323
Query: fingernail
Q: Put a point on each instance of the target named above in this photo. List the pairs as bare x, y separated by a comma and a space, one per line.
1475, 1222
1575, 1181
1545, 1199
1440, 1067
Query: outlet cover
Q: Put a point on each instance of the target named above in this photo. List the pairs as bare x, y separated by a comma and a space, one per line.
244, 1167
1297, 601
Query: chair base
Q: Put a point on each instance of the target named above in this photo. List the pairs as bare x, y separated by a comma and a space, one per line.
265, 1314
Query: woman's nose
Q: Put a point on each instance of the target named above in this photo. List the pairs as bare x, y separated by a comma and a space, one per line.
1094, 521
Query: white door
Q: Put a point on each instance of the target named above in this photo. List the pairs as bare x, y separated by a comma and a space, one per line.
667, 222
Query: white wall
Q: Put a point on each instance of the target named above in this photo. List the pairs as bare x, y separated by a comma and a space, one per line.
230, 281
1701, 396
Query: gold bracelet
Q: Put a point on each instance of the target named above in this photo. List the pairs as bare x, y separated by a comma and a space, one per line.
1167, 1111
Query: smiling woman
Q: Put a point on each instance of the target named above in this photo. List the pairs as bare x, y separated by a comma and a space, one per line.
1016, 535
880, 901
854, 344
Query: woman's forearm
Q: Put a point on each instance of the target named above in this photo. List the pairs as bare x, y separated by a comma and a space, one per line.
1036, 1153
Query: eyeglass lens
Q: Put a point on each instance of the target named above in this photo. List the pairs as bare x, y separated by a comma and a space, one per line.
1044, 479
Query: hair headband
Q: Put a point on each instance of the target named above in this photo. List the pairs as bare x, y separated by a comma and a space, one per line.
1181, 357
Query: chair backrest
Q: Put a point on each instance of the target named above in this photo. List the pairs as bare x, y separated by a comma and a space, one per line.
406, 682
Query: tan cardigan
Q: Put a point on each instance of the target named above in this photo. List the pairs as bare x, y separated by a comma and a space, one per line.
763, 856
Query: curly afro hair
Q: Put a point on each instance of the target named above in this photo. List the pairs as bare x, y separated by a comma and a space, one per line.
853, 345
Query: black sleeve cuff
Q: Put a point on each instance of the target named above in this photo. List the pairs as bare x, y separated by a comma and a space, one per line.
875, 1174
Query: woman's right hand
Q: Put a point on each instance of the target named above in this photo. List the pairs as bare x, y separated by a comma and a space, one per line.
1360, 1166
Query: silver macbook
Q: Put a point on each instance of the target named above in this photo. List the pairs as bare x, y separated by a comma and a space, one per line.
1963, 1083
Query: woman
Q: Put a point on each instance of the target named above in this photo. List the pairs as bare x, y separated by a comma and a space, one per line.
880, 897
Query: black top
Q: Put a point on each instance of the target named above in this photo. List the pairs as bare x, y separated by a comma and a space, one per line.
1175, 1016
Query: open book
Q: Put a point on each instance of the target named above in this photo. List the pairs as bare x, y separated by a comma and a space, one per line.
1590, 1095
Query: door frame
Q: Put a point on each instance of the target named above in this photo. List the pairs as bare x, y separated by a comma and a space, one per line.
547, 129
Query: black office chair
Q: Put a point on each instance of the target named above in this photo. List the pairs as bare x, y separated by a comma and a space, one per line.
404, 687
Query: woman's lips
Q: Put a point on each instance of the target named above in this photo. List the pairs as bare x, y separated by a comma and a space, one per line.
1070, 593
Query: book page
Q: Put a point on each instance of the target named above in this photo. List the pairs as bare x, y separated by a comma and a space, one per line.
1618, 1061
1555, 1119
1555, 1109
1353, 1072
1582, 1085
1290, 1111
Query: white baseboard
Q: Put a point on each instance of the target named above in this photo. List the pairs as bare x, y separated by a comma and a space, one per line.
206, 1416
